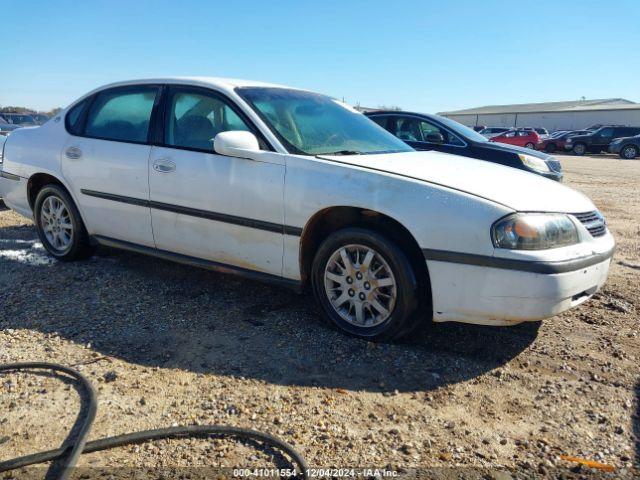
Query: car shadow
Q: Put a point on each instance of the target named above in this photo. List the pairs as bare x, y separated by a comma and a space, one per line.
161, 314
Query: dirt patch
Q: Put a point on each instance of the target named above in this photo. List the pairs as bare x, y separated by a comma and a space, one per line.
184, 346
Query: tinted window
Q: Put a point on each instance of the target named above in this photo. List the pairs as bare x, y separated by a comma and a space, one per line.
606, 132
431, 128
122, 114
380, 120
194, 119
408, 129
74, 118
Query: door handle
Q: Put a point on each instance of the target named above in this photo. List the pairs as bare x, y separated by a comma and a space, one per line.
164, 166
73, 153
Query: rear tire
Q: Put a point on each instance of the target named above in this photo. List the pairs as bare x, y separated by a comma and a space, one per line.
629, 152
366, 287
550, 148
60, 226
530, 146
579, 149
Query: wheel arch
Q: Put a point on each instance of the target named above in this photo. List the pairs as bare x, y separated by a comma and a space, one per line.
334, 218
39, 180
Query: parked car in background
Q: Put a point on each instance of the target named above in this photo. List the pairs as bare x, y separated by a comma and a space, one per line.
6, 128
542, 132
489, 132
520, 137
431, 132
40, 118
599, 140
19, 119
596, 126
557, 140
291, 186
627, 147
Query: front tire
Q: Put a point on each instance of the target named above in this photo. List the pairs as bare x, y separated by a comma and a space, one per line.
366, 287
60, 226
579, 149
629, 152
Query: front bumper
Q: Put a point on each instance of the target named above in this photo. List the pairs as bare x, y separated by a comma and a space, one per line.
505, 293
553, 175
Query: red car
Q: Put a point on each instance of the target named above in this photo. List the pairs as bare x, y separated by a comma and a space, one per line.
519, 137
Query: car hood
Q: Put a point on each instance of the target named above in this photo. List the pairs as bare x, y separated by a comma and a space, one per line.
516, 189
503, 147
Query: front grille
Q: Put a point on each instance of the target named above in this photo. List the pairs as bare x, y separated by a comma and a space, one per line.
594, 222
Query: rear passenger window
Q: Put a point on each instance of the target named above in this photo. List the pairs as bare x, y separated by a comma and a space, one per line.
122, 114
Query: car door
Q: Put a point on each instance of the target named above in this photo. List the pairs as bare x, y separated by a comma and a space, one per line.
106, 158
420, 134
214, 207
508, 137
603, 137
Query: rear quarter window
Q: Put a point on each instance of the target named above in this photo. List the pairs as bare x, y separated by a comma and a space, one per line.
73, 120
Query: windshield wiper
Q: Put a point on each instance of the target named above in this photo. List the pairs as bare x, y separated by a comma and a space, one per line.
344, 152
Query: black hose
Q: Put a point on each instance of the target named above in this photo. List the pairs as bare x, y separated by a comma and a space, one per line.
69, 455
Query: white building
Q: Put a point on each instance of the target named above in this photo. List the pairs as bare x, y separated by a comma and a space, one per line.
572, 115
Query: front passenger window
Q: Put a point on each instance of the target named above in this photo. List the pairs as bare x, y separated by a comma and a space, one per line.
194, 119
122, 114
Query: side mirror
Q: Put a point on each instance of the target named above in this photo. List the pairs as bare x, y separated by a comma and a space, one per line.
235, 143
435, 137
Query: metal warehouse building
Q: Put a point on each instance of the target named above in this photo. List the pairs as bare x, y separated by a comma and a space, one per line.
572, 115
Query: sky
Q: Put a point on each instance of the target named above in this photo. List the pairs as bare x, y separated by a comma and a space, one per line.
426, 56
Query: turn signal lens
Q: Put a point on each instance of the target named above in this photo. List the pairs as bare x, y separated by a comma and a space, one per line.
534, 231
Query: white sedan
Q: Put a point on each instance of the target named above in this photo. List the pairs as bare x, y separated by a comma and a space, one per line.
288, 185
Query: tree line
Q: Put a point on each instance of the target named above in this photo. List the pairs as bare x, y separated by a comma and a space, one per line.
28, 111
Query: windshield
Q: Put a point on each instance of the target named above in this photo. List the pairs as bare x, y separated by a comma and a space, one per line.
463, 130
312, 124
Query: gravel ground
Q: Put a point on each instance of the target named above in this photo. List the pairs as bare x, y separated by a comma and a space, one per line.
171, 344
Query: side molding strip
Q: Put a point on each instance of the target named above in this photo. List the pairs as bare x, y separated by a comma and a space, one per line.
197, 262
194, 212
522, 265
9, 176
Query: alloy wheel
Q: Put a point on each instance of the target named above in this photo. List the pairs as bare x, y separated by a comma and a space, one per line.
360, 285
629, 152
56, 223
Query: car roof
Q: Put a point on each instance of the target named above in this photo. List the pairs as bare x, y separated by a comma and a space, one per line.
226, 85
219, 82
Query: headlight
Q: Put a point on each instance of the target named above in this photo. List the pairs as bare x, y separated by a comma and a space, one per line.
534, 162
534, 231
568, 140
